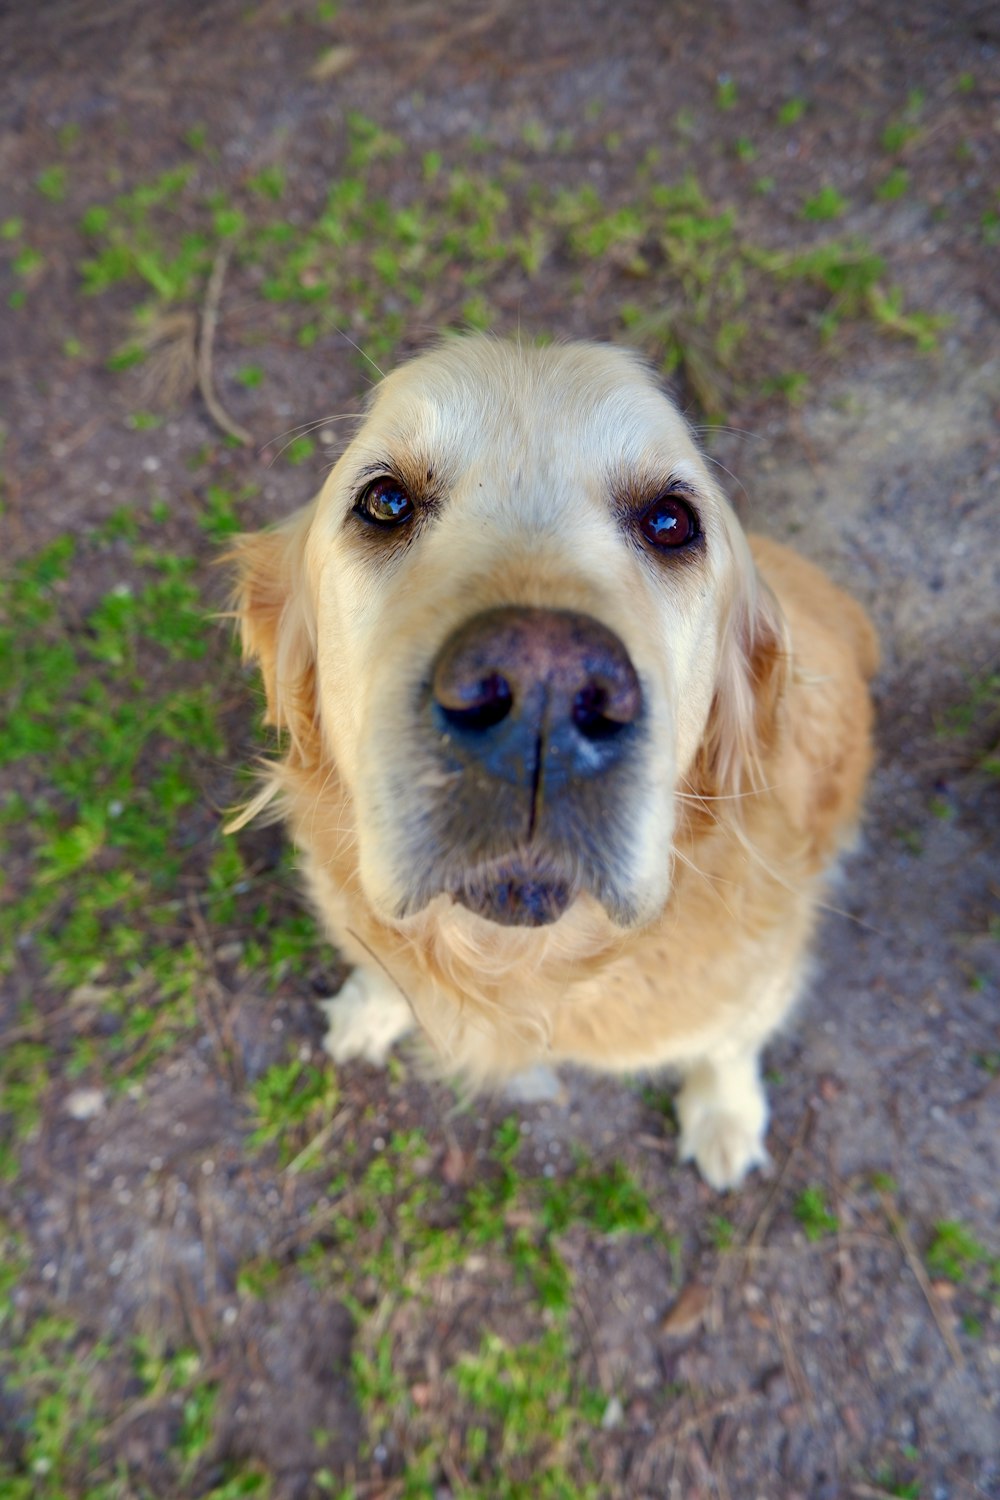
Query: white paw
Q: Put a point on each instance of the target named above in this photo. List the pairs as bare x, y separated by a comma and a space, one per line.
366, 1016
722, 1128
724, 1150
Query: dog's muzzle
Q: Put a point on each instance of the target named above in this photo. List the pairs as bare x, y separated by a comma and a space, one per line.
539, 711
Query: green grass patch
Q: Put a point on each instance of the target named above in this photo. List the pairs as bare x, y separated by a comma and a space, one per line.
896, 185
954, 1252
294, 1102
975, 720
812, 1212
526, 1408
791, 111
828, 203
726, 94
110, 740
906, 127
721, 1232
371, 262
51, 183
394, 1232
68, 1388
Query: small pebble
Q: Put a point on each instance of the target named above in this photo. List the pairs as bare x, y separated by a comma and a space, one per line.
84, 1104
614, 1415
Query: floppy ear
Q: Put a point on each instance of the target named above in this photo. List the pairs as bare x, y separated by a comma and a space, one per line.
277, 624
754, 669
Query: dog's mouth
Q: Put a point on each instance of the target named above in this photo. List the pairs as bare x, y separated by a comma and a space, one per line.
515, 891
486, 848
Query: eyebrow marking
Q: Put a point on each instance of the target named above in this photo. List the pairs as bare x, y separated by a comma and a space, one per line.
634, 489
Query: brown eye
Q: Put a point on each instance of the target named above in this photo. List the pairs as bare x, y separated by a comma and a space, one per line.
669, 522
385, 503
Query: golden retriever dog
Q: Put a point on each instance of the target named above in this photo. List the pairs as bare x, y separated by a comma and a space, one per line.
567, 755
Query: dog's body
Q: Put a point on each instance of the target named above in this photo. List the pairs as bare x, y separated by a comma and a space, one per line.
569, 757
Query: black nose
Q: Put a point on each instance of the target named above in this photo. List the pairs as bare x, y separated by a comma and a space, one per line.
536, 694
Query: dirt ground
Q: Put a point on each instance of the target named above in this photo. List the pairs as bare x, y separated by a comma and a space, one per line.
193, 1303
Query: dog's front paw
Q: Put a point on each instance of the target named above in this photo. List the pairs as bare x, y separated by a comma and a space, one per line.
724, 1150
365, 1018
722, 1127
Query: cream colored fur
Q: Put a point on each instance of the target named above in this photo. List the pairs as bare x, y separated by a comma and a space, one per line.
754, 670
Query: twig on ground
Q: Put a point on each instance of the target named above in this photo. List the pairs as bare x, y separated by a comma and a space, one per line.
206, 1222
194, 1315
912, 1256
80, 1000
752, 1246
973, 1101
455, 1475
209, 321
589, 1322
672, 1437
221, 1032
664, 1144
829, 1245
319, 1139
432, 52
797, 1377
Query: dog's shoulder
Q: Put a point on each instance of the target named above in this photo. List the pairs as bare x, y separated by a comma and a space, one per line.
821, 616
825, 751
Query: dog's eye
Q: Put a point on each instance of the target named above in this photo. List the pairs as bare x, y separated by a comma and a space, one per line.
669, 522
385, 503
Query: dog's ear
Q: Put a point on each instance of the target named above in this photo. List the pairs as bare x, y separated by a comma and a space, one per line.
277, 623
754, 668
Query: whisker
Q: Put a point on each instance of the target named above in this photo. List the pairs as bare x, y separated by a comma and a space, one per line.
308, 427
347, 336
710, 427
724, 796
353, 933
712, 881
837, 911
738, 482
321, 792
342, 416
750, 849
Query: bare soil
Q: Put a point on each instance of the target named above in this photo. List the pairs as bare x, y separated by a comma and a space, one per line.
813, 1369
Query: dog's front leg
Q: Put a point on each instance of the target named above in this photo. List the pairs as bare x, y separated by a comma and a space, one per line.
722, 1110
366, 1017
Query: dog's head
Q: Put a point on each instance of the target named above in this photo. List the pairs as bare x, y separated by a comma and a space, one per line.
518, 624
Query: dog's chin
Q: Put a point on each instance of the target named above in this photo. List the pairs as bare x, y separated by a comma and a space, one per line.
519, 888
522, 890
513, 893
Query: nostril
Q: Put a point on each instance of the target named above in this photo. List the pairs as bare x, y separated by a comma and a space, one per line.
590, 713
479, 706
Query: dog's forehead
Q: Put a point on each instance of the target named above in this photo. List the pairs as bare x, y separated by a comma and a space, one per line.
585, 404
